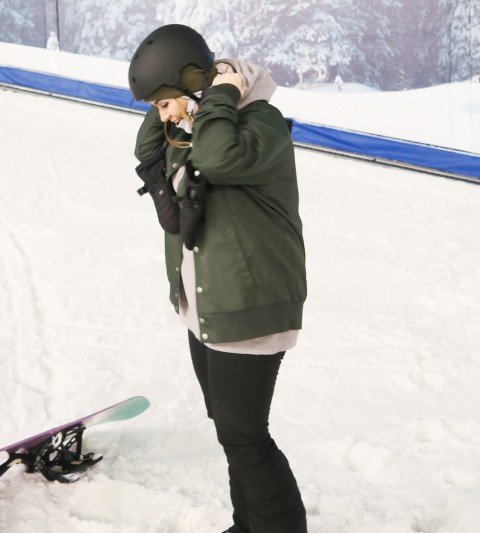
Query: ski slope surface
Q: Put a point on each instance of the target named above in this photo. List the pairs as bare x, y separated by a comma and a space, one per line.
377, 408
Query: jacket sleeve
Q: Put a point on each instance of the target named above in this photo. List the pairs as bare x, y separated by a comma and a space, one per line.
150, 136
232, 147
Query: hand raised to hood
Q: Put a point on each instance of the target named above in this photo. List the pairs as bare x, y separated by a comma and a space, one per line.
233, 78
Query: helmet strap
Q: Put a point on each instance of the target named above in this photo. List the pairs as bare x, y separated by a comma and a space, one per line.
187, 92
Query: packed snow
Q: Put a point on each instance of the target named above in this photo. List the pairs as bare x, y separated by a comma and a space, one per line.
377, 407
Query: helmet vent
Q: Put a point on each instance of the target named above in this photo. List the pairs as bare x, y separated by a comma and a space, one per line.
136, 56
151, 41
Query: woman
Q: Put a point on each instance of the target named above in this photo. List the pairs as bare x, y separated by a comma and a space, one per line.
218, 161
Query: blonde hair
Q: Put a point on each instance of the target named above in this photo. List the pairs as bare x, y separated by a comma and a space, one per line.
173, 142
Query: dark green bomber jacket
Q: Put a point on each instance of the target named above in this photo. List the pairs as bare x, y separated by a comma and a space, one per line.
249, 253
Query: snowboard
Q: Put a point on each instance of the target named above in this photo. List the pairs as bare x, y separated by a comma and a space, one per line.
57, 452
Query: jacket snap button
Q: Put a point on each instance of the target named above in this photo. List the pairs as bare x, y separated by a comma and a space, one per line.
199, 289
174, 165
201, 320
204, 336
196, 249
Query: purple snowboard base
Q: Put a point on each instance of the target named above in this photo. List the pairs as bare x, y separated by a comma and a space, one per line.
57, 451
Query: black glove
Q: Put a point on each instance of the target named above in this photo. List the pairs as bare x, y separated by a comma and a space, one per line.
192, 206
152, 172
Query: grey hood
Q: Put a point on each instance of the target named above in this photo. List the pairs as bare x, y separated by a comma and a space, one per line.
260, 86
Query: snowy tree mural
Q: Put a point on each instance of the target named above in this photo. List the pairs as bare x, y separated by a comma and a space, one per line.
465, 28
371, 30
212, 19
105, 29
388, 44
298, 41
23, 22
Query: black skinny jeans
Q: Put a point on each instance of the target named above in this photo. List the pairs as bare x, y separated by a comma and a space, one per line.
238, 390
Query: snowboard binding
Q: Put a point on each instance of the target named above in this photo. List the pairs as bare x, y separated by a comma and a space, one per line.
59, 458
57, 452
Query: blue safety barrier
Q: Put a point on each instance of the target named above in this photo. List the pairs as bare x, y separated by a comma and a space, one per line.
377, 147
443, 160
82, 90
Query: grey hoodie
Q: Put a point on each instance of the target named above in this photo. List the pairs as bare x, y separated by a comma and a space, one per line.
260, 86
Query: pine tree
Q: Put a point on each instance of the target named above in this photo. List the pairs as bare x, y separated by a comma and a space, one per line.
112, 30
416, 29
375, 60
213, 20
320, 47
21, 23
475, 38
296, 41
465, 53
429, 43
261, 28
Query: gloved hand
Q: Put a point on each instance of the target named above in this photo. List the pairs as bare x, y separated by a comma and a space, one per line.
152, 172
192, 206
151, 169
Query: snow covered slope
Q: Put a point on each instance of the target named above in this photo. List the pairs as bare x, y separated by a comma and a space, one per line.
377, 407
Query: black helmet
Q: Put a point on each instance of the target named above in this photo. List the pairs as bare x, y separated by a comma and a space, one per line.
162, 55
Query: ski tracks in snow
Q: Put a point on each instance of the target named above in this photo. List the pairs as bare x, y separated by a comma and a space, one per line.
376, 408
23, 349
